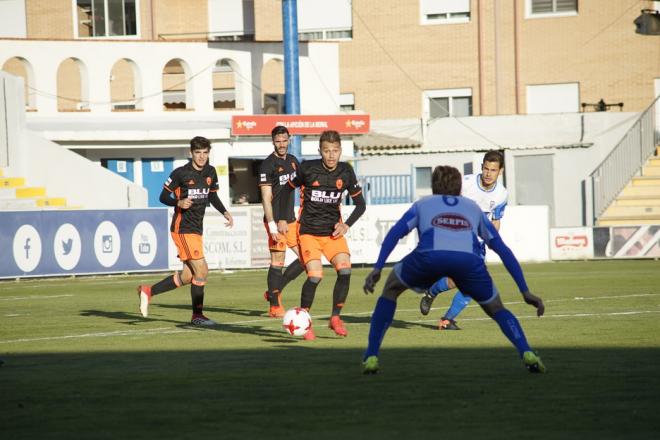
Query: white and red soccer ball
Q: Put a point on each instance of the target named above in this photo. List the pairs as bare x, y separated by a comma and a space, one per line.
297, 321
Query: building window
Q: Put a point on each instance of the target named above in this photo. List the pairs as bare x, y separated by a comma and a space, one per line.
544, 8
346, 102
106, 18
444, 11
445, 103
326, 34
423, 177
325, 20
553, 98
231, 20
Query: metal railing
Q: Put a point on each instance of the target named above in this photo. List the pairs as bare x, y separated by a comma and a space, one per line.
382, 190
625, 160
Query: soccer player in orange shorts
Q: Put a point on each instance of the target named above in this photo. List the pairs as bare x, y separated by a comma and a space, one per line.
274, 174
321, 229
189, 189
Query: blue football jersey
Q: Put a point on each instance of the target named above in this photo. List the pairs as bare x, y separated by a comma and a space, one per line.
449, 223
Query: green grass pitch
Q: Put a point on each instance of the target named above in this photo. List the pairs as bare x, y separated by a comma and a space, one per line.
81, 363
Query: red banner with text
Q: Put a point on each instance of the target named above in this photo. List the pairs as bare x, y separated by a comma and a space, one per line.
259, 125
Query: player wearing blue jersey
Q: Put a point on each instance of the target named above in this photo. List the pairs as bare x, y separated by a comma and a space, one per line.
491, 196
449, 227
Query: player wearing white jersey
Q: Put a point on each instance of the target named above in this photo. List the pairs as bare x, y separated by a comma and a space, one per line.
491, 196
448, 226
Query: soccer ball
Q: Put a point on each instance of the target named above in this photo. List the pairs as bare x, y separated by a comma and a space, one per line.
297, 321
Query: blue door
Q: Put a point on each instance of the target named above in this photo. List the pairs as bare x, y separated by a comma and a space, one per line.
123, 167
155, 172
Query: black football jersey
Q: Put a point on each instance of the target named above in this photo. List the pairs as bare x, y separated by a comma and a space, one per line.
321, 195
276, 172
187, 182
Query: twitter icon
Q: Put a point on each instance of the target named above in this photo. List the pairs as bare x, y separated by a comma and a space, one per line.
67, 246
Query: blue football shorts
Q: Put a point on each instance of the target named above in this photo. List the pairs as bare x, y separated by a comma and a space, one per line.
419, 270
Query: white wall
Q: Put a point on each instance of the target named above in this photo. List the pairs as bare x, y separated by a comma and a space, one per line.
13, 122
83, 183
319, 72
13, 23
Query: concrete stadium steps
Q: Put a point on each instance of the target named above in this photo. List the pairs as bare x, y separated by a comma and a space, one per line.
12, 182
15, 196
51, 202
628, 220
639, 202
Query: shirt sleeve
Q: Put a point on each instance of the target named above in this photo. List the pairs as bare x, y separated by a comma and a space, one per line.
214, 186
353, 186
172, 182
492, 238
265, 173
297, 177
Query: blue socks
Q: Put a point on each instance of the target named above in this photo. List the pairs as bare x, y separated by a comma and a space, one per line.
511, 328
380, 322
459, 302
439, 287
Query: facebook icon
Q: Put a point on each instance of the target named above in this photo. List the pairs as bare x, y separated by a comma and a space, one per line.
27, 248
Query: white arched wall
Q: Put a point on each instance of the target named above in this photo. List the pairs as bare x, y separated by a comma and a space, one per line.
30, 85
136, 80
99, 56
84, 81
187, 82
239, 82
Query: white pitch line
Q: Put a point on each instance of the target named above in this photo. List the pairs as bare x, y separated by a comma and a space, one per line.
154, 331
19, 298
563, 315
577, 298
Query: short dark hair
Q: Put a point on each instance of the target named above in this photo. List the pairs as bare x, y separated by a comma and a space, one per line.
494, 156
446, 180
330, 136
279, 129
200, 143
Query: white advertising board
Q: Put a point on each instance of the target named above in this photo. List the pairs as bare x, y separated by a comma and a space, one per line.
571, 243
524, 230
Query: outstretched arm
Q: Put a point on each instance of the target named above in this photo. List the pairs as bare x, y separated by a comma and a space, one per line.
513, 267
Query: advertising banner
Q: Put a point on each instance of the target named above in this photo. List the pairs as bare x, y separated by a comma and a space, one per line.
641, 241
260, 125
571, 243
39, 243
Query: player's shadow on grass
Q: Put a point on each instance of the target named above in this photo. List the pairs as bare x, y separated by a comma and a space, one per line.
127, 318
365, 319
229, 310
276, 335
